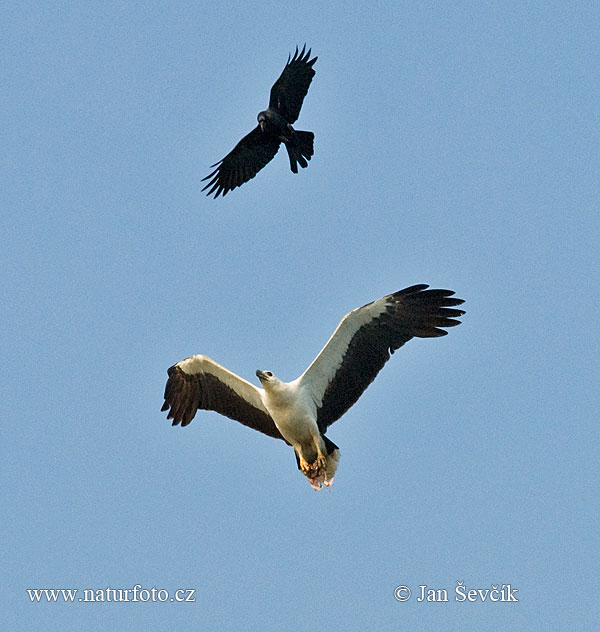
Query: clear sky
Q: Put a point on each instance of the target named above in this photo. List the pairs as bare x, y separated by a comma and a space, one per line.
456, 144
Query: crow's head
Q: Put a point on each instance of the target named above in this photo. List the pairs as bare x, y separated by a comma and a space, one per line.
262, 120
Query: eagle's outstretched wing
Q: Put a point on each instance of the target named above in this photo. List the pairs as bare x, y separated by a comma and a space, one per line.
364, 340
200, 383
288, 92
243, 162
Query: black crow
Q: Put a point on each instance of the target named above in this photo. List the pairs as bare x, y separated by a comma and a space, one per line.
258, 147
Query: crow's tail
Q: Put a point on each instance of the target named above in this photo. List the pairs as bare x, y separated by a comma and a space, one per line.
300, 149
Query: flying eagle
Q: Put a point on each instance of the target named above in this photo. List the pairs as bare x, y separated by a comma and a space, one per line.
300, 412
259, 147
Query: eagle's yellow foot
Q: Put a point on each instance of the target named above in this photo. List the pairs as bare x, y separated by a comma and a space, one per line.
320, 463
316, 472
314, 468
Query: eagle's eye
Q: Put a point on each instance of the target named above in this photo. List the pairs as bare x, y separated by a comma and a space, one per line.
268, 374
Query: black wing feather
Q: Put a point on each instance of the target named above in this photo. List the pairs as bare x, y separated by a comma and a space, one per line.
186, 393
413, 312
288, 92
242, 163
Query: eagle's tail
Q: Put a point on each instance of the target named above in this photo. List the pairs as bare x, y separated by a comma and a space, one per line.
300, 149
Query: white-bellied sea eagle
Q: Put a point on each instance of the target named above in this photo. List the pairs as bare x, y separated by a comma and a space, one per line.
299, 412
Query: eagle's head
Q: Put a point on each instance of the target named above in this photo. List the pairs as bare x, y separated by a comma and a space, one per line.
268, 380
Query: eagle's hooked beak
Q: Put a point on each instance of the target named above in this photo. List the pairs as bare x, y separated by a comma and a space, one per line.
260, 375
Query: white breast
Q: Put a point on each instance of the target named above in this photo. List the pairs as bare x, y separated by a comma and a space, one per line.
293, 412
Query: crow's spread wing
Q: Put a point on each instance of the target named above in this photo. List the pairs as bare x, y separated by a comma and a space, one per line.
242, 163
288, 92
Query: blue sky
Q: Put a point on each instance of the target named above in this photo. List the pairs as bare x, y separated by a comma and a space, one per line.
456, 144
